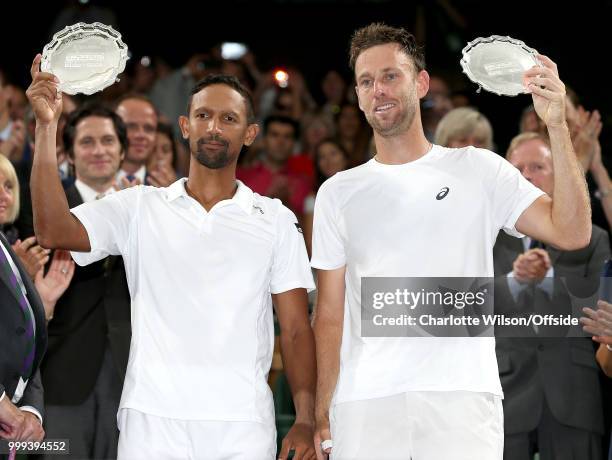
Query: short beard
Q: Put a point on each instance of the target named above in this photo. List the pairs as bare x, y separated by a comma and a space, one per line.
217, 160
405, 120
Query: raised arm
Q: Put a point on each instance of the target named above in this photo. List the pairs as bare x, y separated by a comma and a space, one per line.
54, 225
565, 220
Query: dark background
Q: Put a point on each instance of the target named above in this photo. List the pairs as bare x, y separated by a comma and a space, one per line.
313, 36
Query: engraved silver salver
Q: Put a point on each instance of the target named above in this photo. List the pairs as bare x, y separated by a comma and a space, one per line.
86, 58
497, 64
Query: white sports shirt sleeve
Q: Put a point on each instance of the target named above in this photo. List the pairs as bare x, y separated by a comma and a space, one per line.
328, 249
290, 268
511, 193
107, 222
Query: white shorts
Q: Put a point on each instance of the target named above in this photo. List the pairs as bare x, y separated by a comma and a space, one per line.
419, 425
145, 436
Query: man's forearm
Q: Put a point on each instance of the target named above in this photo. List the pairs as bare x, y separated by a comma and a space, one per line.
571, 208
298, 353
328, 338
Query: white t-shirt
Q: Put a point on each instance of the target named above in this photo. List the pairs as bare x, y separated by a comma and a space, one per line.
200, 284
385, 221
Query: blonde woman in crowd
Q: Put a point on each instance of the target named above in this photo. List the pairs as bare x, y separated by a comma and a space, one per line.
462, 127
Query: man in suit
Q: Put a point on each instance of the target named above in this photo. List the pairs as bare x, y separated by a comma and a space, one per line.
23, 341
90, 329
140, 117
552, 398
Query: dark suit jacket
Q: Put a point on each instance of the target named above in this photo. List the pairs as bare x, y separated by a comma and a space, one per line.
93, 312
12, 337
562, 370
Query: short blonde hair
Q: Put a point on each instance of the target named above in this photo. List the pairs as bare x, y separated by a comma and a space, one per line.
525, 137
464, 121
7, 169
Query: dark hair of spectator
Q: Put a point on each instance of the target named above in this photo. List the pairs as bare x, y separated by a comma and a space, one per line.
379, 33
233, 83
166, 129
93, 110
284, 120
320, 177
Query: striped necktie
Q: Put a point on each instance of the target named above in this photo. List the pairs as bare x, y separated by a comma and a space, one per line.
16, 286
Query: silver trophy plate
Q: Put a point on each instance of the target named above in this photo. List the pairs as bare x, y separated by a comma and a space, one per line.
497, 64
86, 58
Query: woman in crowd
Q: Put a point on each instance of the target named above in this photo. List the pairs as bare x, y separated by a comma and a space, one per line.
462, 127
330, 157
163, 162
353, 133
51, 285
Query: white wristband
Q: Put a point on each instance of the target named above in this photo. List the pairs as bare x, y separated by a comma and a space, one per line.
608, 347
327, 444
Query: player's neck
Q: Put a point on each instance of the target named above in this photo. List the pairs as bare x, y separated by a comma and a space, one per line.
402, 148
209, 186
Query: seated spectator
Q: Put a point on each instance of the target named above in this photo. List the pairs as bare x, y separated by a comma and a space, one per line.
334, 89
552, 395
163, 162
18, 103
288, 96
435, 105
530, 122
143, 73
353, 133
12, 130
316, 127
170, 92
462, 127
270, 175
140, 117
599, 323
23, 335
33, 257
9, 198
330, 157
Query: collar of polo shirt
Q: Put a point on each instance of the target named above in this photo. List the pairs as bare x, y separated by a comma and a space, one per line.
243, 196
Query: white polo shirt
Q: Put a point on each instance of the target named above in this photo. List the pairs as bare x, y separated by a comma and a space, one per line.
201, 284
385, 221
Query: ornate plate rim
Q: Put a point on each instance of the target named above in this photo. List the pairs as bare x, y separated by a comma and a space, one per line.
493, 38
114, 34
